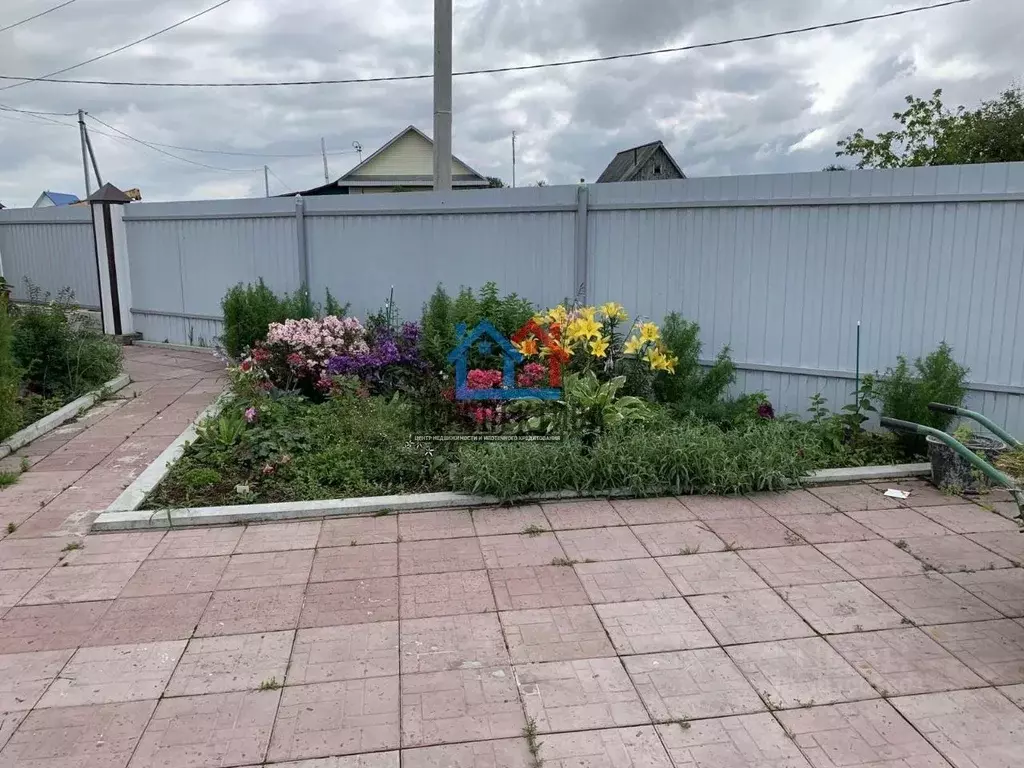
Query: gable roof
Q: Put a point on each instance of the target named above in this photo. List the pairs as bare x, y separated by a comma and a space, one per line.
60, 198
355, 177
627, 162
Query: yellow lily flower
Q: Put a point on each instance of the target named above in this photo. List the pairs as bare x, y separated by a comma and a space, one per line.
614, 311
557, 315
581, 328
587, 313
599, 347
632, 345
649, 332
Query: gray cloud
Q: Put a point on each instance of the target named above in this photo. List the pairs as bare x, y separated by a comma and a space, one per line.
776, 105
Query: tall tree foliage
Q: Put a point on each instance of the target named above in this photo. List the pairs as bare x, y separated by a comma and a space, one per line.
929, 133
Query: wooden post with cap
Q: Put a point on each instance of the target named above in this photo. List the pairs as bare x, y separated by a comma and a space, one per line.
112, 270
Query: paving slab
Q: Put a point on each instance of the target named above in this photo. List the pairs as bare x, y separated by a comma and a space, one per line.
930, 599
742, 741
637, 747
653, 626
1003, 589
439, 556
788, 566
710, 573
790, 503
967, 518
555, 634
872, 559
543, 586
753, 533
992, 649
275, 537
176, 576
371, 561
348, 652
443, 594
827, 528
854, 498
231, 663
596, 544
687, 538
495, 521
951, 554
617, 581
24, 677
843, 606
649, 511
581, 514
446, 643
342, 532
515, 550
498, 753
49, 627
721, 507
435, 524
334, 602
748, 617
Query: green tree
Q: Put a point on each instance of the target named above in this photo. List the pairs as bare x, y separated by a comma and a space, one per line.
494, 182
929, 133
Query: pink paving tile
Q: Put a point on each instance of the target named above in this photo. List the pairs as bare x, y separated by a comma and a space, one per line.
202, 542
636, 747
930, 599
748, 617
24, 677
874, 559
445, 594
35, 488
743, 741
845, 606
452, 642
499, 753
1014, 693
555, 634
653, 626
341, 532
922, 493
722, 507
683, 685
581, 514
439, 556
618, 581
1003, 589
864, 733
217, 730
542, 586
81, 583
32, 553
716, 572
14, 585
972, 729
666, 539
898, 523
232, 663
992, 649
114, 673
593, 544
460, 705
275, 537
242, 611
786, 566
9, 722
950, 554
349, 602
579, 695
854, 498
115, 548
790, 503
650, 511
350, 652
515, 550
799, 673
267, 569
435, 524
135, 620
372, 561
496, 521
753, 533
899, 662
48, 627
1009, 546
967, 518
824, 529
101, 736
176, 577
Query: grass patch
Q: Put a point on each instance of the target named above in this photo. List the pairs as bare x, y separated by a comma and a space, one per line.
270, 685
8, 478
71, 546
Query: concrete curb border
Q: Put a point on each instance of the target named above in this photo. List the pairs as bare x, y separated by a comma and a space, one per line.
124, 518
134, 495
61, 416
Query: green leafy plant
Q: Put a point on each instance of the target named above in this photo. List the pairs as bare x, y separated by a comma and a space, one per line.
10, 409
692, 387
250, 309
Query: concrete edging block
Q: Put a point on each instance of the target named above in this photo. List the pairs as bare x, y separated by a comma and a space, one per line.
61, 416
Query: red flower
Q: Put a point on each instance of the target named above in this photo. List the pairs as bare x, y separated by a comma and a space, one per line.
246, 366
260, 355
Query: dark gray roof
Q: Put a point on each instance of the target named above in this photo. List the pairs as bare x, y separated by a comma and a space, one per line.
108, 193
625, 164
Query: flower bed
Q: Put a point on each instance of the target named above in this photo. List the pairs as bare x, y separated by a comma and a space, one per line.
328, 407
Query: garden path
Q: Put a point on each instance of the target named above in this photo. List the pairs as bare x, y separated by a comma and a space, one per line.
814, 628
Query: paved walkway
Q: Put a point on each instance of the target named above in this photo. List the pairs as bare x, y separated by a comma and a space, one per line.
828, 628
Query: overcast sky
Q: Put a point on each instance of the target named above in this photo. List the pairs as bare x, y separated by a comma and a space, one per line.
762, 107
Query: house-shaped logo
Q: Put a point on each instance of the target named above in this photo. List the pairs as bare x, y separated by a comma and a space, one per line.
484, 337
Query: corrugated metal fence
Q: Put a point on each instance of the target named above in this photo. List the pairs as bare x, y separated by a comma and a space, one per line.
779, 267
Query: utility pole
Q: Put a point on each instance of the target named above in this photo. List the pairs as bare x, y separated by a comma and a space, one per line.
513, 160
92, 156
85, 158
442, 95
323, 151
266, 181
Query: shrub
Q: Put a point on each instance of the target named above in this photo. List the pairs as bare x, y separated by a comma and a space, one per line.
250, 309
693, 387
296, 353
10, 411
905, 393
60, 354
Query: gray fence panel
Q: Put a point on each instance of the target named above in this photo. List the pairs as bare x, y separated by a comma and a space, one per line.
51, 247
361, 246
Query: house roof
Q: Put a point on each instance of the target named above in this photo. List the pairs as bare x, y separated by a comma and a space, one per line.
627, 162
61, 198
108, 193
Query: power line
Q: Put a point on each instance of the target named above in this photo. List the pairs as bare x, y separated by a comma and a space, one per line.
286, 186
165, 152
38, 15
6, 108
494, 70
45, 78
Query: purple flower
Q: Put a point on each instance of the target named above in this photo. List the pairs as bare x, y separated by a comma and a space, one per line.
250, 414
765, 411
